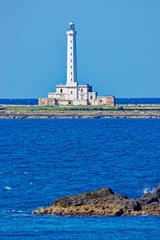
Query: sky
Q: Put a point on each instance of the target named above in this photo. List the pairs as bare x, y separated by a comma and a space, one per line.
118, 46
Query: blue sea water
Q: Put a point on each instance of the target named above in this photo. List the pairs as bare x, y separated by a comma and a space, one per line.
19, 101
42, 159
34, 101
138, 100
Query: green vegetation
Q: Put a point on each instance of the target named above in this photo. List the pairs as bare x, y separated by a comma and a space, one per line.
51, 109
81, 110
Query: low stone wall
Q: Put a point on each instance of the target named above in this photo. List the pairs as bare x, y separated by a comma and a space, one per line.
100, 101
46, 102
105, 100
71, 102
42, 101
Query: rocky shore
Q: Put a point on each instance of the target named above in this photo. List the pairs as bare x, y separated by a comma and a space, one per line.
104, 202
118, 111
81, 114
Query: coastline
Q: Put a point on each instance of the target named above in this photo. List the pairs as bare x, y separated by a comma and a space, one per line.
70, 116
104, 202
119, 111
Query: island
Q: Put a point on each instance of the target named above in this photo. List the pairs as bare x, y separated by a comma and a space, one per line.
118, 111
104, 202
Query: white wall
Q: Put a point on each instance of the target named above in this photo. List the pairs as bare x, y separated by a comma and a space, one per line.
71, 57
66, 92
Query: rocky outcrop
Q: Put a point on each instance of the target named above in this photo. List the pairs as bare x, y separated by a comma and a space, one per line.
104, 202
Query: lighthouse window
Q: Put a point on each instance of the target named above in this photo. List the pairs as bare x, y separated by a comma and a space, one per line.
71, 54
71, 66
61, 90
71, 60
91, 97
82, 90
71, 92
71, 47
71, 73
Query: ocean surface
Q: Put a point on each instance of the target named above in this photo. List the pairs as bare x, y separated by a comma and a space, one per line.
34, 101
42, 159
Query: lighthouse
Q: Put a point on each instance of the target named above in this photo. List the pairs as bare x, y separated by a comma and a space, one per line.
73, 93
71, 55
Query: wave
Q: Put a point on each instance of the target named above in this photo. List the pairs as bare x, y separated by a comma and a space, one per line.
15, 212
147, 190
7, 188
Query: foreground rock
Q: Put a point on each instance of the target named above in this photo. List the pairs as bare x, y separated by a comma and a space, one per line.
104, 202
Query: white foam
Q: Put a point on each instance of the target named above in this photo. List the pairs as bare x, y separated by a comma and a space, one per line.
8, 188
147, 190
15, 212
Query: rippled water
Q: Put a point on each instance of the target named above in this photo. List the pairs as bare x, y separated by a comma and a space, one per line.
43, 159
34, 101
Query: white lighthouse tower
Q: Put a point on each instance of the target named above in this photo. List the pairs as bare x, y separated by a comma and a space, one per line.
73, 93
71, 56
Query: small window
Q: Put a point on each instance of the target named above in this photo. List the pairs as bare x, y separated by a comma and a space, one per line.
71, 60
61, 90
71, 79
100, 101
91, 97
71, 66
71, 73
71, 54
71, 92
71, 47
81, 90
71, 41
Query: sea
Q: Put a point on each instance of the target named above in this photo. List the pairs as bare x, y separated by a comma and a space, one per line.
43, 159
34, 101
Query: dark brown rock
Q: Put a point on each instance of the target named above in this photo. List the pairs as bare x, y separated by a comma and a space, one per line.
104, 202
119, 213
100, 199
151, 197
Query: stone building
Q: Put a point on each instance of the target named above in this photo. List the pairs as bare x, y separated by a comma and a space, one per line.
73, 93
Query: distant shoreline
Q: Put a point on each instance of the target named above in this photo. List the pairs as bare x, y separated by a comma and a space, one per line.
76, 116
34, 101
119, 111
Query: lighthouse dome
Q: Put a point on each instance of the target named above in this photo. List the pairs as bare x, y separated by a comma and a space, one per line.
71, 25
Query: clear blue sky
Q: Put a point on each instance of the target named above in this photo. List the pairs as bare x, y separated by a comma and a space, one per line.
118, 45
